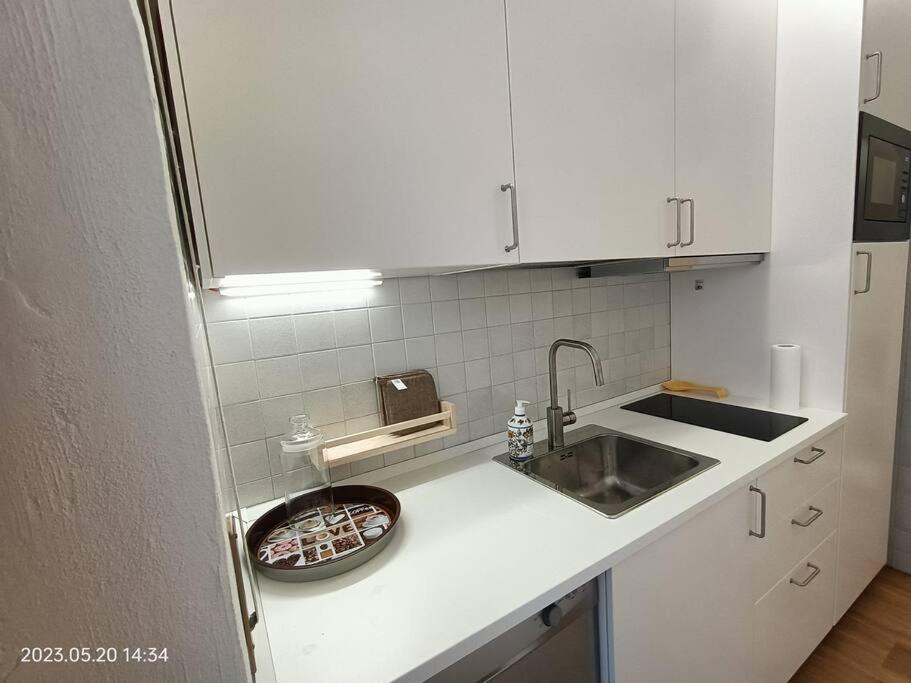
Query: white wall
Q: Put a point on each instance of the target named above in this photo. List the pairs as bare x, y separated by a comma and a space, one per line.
112, 535
722, 334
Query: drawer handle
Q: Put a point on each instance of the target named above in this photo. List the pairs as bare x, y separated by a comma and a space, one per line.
807, 580
762, 511
817, 513
817, 454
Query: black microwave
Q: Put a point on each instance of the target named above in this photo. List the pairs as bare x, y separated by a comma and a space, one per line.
883, 172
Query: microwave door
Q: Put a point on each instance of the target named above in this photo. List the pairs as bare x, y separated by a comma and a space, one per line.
888, 167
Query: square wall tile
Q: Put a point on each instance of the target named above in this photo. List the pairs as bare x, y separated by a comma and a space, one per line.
541, 280
519, 281
324, 406
387, 294
479, 404
523, 337
418, 320
542, 305
277, 413
446, 316
250, 461
504, 398
230, 341
475, 344
449, 348
319, 369
563, 302
414, 290
497, 308
500, 338
420, 353
520, 308
452, 379
273, 337
444, 288
355, 364
477, 374
236, 382
314, 331
278, 376
359, 399
352, 328
501, 369
386, 323
471, 285
389, 357
495, 283
473, 313
244, 422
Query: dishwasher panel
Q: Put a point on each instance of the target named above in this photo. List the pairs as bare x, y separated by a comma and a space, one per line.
559, 643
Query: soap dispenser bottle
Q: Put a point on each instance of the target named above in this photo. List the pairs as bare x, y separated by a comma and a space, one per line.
520, 435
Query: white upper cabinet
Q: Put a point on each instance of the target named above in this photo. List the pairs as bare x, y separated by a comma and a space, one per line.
725, 110
593, 113
885, 89
346, 134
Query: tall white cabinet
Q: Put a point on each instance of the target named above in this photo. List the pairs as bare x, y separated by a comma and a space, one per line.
346, 134
885, 85
871, 401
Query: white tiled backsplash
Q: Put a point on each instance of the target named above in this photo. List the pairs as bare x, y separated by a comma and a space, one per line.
484, 336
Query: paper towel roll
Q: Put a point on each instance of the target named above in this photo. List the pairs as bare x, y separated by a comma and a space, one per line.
785, 385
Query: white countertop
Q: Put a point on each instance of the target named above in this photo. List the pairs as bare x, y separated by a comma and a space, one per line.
479, 548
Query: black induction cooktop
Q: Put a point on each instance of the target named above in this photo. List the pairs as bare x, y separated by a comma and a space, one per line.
749, 422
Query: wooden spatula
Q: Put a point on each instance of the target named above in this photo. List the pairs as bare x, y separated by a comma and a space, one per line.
680, 385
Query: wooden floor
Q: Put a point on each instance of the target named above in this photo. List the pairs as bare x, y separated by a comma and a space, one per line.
872, 642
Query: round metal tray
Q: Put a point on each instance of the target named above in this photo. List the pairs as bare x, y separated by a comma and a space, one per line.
349, 530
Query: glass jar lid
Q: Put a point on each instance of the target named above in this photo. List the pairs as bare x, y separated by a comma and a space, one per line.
302, 437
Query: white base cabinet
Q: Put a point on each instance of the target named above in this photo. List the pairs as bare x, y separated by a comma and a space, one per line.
681, 607
732, 595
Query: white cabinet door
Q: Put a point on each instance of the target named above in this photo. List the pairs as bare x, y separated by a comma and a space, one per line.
887, 26
725, 118
681, 607
347, 134
874, 368
593, 113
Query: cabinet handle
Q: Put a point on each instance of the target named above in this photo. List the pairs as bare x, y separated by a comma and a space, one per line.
762, 503
677, 201
817, 453
879, 74
806, 581
692, 204
817, 513
515, 216
869, 272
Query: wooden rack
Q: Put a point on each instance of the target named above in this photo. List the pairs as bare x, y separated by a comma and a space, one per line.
354, 447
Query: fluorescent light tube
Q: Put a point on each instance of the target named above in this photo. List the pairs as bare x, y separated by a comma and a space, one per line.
293, 283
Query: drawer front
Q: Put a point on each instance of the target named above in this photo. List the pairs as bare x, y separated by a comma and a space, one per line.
791, 534
792, 618
804, 474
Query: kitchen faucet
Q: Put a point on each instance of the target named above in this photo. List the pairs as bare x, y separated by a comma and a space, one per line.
556, 417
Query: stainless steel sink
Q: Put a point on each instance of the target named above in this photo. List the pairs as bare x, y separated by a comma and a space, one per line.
608, 471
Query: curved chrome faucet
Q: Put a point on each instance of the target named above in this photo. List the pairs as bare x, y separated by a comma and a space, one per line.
557, 418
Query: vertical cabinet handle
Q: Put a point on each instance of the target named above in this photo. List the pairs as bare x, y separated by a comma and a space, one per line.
762, 510
806, 581
879, 74
817, 513
515, 216
869, 272
816, 454
676, 200
692, 204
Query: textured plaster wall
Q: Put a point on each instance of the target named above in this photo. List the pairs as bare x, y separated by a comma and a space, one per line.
111, 535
